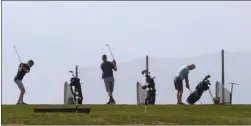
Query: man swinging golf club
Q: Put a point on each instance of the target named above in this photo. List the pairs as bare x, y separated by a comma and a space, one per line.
178, 81
23, 68
107, 68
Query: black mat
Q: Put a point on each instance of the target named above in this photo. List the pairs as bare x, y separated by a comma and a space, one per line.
79, 110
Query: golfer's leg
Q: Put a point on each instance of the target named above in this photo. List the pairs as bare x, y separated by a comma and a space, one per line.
22, 90
176, 88
180, 95
180, 89
112, 87
21, 97
107, 86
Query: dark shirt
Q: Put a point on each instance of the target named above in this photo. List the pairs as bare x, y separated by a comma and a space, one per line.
107, 69
20, 74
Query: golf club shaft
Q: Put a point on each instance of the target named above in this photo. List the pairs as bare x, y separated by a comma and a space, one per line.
211, 94
110, 51
17, 54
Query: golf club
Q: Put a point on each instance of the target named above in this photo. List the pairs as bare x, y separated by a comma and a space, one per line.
110, 50
17, 53
211, 94
192, 92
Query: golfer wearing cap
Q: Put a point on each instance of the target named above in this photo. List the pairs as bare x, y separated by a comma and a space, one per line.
107, 68
178, 81
23, 68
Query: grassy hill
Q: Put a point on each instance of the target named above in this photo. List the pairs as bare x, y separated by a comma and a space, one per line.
131, 114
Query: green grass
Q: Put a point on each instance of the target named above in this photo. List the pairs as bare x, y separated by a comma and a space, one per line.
131, 114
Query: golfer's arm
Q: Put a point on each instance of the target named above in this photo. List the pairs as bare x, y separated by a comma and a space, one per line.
114, 67
101, 68
20, 69
187, 80
26, 70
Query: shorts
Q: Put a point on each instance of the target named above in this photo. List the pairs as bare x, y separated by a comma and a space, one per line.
109, 84
19, 84
178, 83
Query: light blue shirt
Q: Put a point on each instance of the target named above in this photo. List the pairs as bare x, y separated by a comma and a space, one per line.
183, 72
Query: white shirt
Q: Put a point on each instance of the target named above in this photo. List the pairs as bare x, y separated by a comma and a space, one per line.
183, 72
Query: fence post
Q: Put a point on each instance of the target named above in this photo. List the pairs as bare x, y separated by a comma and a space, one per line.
223, 76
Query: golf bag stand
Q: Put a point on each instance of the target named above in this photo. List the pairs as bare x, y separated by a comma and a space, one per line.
200, 88
75, 82
150, 88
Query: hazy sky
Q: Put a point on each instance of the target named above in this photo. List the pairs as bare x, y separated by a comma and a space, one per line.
59, 35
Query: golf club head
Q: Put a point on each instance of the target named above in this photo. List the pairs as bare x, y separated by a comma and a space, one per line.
71, 73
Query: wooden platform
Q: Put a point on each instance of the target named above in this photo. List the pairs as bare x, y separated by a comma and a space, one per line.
78, 110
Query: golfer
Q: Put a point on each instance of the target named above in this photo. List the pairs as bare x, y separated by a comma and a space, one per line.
23, 68
178, 81
107, 68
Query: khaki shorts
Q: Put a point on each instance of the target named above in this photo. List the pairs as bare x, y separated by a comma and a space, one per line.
109, 84
19, 84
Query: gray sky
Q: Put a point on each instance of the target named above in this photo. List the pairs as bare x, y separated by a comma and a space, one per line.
59, 35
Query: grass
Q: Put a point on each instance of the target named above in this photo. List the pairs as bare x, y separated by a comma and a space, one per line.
130, 114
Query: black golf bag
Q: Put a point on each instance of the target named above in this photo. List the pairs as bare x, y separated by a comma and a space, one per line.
150, 88
75, 82
200, 88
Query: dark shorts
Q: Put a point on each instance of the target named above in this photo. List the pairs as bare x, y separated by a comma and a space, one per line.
178, 83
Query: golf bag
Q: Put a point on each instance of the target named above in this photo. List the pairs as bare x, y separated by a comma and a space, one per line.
75, 82
200, 88
150, 88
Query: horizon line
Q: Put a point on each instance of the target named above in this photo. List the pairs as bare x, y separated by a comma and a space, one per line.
173, 58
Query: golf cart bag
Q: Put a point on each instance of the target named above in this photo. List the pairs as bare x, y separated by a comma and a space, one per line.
150, 88
75, 82
200, 88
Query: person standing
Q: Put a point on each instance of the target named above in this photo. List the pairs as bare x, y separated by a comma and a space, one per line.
182, 74
23, 68
107, 68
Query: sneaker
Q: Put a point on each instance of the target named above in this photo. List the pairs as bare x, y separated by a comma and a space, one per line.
109, 102
24, 103
113, 102
181, 103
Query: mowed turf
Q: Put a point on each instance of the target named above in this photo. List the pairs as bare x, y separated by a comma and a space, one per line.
131, 114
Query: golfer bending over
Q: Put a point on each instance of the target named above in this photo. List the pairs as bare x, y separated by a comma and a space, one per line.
178, 81
107, 68
23, 68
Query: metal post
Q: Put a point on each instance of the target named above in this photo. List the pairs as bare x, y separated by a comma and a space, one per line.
146, 97
147, 65
223, 77
76, 71
231, 93
65, 93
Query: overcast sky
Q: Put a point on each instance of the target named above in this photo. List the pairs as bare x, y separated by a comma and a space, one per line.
59, 35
